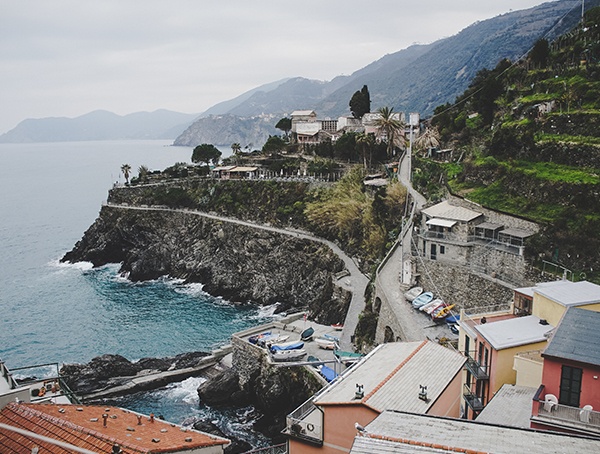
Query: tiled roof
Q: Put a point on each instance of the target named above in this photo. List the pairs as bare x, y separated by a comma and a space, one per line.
577, 337
391, 376
83, 427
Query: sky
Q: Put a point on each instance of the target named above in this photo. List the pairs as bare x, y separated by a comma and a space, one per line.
65, 58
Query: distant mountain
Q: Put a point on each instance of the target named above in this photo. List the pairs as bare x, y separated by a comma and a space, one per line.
224, 130
101, 125
418, 78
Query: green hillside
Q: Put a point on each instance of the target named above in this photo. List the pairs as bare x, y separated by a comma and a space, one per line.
526, 141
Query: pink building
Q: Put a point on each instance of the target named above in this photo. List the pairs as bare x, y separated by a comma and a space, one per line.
570, 389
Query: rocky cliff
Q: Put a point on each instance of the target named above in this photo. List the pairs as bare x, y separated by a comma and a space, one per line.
237, 262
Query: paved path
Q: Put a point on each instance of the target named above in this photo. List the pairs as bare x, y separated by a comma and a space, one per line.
355, 281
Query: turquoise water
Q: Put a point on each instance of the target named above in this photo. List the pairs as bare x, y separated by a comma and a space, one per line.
51, 312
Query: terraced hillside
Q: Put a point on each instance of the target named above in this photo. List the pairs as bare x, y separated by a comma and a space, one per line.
526, 140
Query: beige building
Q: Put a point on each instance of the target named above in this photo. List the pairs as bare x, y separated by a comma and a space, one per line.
420, 377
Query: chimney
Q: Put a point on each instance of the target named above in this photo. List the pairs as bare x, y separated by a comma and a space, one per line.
104, 418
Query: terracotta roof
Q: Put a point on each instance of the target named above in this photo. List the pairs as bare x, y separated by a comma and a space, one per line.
83, 427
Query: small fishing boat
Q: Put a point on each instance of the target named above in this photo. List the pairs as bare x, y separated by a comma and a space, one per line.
331, 337
422, 299
307, 334
346, 357
254, 339
294, 345
434, 302
432, 309
442, 313
288, 355
325, 344
413, 293
267, 341
328, 373
338, 326
453, 319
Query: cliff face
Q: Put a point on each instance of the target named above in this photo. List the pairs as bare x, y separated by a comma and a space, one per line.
240, 263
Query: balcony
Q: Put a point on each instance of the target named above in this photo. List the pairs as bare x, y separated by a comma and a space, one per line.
305, 424
473, 401
573, 419
479, 371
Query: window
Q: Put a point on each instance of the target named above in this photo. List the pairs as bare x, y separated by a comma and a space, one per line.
570, 386
442, 249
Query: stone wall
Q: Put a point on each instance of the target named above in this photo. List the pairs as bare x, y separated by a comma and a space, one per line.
461, 286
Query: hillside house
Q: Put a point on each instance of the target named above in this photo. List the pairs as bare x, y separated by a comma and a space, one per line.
420, 377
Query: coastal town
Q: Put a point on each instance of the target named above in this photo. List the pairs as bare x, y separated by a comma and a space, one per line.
511, 366
393, 281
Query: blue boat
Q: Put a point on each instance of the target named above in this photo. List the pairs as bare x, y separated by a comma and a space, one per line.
328, 373
254, 339
287, 346
452, 319
422, 299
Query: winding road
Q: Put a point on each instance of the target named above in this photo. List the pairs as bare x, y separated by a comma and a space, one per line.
355, 281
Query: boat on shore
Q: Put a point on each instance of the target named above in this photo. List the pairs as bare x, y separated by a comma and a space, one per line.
287, 355
328, 373
413, 293
442, 313
347, 357
254, 339
325, 344
433, 303
338, 326
435, 307
271, 339
422, 299
307, 334
293, 345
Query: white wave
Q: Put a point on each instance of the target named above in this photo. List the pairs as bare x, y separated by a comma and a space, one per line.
185, 391
267, 311
192, 289
82, 266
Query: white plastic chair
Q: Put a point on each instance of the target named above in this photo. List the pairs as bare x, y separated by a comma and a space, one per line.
584, 414
550, 402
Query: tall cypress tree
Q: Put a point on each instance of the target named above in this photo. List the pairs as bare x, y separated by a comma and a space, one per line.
360, 103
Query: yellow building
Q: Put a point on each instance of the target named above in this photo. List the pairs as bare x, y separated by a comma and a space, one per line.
495, 344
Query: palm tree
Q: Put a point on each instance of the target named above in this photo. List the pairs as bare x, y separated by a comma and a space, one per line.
391, 126
365, 143
236, 150
429, 139
126, 169
143, 173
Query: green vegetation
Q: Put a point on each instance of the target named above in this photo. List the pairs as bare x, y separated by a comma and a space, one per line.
360, 103
206, 153
526, 141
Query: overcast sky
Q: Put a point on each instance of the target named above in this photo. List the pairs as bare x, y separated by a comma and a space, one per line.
70, 57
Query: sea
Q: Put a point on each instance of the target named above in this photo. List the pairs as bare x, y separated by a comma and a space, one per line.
52, 312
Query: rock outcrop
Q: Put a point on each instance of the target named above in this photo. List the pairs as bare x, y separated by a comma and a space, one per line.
113, 370
237, 262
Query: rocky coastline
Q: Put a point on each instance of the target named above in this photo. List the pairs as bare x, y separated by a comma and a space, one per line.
236, 262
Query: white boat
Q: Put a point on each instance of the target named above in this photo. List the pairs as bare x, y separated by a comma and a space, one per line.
325, 344
432, 309
413, 293
267, 341
433, 303
288, 355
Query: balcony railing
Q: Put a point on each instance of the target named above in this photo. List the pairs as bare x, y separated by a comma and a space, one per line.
472, 399
577, 419
305, 423
479, 371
